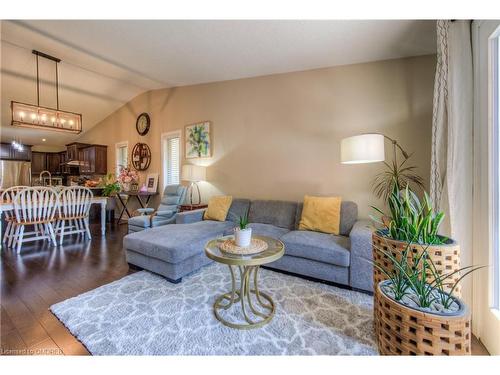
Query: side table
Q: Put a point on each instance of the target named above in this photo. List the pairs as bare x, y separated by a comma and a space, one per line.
253, 301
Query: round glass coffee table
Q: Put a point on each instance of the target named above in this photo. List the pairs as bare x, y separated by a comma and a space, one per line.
252, 301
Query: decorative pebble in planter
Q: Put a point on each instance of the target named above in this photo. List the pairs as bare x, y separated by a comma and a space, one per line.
402, 330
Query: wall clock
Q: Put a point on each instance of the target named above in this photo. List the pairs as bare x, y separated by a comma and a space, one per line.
141, 156
143, 123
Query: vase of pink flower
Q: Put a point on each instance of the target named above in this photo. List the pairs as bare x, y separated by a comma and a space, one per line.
127, 177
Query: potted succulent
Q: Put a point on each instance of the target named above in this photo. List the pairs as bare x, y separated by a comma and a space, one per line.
414, 222
414, 313
243, 234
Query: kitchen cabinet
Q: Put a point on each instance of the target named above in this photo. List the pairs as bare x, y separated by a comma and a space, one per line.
86, 158
95, 159
53, 162
73, 151
46, 161
38, 162
7, 152
62, 158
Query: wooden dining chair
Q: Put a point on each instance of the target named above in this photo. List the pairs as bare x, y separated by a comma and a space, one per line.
8, 197
73, 211
34, 206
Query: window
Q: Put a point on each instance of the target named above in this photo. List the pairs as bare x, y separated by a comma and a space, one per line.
121, 156
171, 151
495, 77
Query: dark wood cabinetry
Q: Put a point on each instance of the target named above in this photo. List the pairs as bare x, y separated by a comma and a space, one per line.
38, 162
7, 152
62, 160
71, 152
94, 159
46, 161
88, 159
54, 162
74, 151
4, 151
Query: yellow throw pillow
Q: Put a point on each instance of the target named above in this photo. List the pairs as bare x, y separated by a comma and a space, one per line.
217, 208
321, 214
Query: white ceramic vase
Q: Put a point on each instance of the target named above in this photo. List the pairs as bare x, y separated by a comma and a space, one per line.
243, 237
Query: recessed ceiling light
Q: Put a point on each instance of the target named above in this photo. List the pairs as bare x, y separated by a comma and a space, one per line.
43, 139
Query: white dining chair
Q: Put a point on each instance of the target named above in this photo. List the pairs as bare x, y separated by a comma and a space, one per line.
73, 211
34, 206
8, 197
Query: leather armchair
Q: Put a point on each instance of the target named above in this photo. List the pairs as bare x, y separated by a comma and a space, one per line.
165, 213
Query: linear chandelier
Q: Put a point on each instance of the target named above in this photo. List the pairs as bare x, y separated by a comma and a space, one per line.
36, 116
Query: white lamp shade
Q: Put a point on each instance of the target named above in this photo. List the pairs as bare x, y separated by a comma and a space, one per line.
191, 172
365, 148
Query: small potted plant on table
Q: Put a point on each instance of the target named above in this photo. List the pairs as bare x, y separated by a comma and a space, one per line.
414, 314
243, 234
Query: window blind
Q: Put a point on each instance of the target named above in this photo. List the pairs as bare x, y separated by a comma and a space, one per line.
173, 160
121, 158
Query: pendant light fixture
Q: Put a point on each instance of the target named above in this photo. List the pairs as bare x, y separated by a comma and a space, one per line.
35, 116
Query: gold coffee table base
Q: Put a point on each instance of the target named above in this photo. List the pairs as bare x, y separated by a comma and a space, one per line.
243, 295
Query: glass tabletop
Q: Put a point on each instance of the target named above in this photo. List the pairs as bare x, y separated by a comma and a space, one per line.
275, 250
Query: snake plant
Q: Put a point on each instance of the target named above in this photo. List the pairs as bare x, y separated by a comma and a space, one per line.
409, 275
243, 221
411, 219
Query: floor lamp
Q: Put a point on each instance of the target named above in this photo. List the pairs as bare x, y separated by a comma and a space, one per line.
193, 174
369, 148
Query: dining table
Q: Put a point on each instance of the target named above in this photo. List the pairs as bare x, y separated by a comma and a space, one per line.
6, 206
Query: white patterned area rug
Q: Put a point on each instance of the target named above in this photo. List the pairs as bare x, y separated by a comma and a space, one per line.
143, 314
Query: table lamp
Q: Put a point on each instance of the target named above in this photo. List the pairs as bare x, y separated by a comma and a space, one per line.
194, 174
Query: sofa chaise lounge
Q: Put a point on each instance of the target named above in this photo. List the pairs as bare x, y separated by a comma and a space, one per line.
178, 249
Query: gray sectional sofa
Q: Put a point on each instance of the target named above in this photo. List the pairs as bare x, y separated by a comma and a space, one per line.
177, 250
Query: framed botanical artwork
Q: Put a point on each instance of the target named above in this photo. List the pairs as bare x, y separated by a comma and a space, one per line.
198, 140
152, 182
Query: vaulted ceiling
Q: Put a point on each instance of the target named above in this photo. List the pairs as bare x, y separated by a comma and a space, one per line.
107, 63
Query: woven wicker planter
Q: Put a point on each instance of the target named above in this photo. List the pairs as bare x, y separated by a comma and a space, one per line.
446, 257
403, 330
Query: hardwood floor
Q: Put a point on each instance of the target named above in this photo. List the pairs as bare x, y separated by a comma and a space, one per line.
42, 275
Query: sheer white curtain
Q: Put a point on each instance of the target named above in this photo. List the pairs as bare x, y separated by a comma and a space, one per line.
452, 137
